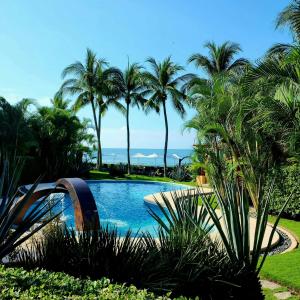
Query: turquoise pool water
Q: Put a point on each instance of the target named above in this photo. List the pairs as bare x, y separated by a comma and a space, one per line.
121, 204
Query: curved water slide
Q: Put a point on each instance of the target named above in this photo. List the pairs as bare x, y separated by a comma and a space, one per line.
84, 205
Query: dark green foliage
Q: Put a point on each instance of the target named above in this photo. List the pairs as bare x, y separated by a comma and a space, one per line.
180, 173
88, 254
59, 135
286, 179
189, 264
52, 139
117, 170
15, 135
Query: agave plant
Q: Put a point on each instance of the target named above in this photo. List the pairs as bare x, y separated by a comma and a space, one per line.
182, 212
234, 230
94, 254
234, 227
11, 234
186, 260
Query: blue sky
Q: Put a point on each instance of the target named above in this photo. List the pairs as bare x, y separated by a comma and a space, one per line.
39, 38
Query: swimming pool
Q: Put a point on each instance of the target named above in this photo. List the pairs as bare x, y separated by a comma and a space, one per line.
121, 204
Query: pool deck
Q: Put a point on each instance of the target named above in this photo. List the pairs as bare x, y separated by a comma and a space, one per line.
158, 197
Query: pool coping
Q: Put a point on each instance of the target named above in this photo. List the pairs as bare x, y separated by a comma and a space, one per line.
24, 188
137, 181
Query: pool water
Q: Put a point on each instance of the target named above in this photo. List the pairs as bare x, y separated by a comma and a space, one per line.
121, 204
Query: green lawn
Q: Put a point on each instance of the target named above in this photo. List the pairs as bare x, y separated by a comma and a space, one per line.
100, 175
285, 268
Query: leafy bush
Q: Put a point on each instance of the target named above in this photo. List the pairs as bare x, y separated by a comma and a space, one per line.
286, 180
180, 173
117, 170
52, 139
16, 283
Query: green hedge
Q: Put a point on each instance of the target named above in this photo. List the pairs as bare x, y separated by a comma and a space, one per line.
286, 179
16, 283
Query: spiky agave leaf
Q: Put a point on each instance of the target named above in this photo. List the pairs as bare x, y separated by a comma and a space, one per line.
182, 213
11, 234
234, 228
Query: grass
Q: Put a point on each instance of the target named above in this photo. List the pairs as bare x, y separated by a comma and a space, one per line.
270, 294
285, 268
100, 175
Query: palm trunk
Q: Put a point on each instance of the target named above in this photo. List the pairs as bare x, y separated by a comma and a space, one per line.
99, 143
97, 131
128, 140
166, 138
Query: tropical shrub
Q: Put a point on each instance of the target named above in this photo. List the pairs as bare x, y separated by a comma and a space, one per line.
117, 170
60, 136
52, 139
86, 254
15, 135
180, 173
285, 179
16, 283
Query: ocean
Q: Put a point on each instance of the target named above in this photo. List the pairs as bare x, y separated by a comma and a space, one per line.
145, 157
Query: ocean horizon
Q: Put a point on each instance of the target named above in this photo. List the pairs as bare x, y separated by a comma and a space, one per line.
145, 156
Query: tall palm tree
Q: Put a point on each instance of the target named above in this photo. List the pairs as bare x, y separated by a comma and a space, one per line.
220, 59
163, 84
83, 83
106, 94
132, 91
281, 65
290, 17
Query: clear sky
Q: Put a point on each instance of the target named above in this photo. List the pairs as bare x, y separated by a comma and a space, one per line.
39, 38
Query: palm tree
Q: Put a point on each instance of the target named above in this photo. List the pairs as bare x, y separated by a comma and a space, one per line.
59, 102
163, 84
220, 59
106, 94
131, 88
84, 84
290, 17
